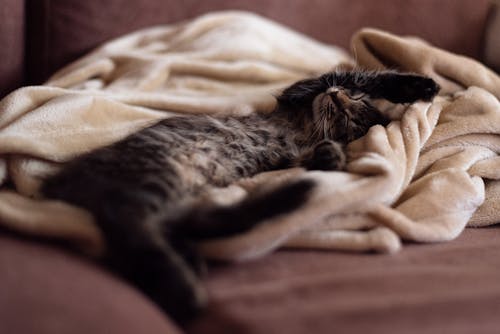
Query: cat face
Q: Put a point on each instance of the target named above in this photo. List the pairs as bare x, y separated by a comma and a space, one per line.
343, 114
342, 105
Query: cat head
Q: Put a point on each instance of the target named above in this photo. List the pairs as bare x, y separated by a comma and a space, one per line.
343, 105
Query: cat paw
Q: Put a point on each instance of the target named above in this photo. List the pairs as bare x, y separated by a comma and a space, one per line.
404, 87
425, 88
327, 155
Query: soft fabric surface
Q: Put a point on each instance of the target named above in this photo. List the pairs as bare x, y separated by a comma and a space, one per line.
422, 178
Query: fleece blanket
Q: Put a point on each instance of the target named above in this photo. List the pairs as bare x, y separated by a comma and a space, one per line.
426, 176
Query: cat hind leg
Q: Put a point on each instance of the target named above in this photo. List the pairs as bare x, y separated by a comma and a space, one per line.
138, 251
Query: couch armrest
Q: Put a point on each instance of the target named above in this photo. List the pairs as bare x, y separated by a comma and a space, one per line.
47, 290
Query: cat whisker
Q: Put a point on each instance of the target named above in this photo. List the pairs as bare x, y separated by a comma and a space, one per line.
325, 130
317, 129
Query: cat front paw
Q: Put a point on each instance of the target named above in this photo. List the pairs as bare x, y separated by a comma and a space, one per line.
425, 88
327, 155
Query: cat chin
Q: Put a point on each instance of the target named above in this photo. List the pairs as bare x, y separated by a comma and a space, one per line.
393, 111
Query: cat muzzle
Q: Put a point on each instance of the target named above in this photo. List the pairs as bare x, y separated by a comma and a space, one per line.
339, 98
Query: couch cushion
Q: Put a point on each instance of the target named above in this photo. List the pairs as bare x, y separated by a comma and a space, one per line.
46, 290
61, 30
12, 45
449, 287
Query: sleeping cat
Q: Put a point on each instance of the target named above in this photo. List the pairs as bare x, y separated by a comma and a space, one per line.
140, 188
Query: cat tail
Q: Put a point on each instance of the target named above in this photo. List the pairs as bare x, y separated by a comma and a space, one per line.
226, 221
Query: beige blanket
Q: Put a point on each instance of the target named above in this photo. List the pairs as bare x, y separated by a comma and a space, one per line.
426, 176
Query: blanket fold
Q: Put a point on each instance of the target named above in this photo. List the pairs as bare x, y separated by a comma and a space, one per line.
424, 177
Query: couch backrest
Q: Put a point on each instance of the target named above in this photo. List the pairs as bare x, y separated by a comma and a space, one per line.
59, 31
11, 45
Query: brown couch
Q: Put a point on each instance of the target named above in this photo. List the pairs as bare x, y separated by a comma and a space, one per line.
451, 287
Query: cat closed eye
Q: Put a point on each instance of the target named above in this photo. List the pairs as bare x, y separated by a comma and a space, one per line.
357, 95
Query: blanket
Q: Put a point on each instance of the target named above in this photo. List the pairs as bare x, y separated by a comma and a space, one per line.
426, 176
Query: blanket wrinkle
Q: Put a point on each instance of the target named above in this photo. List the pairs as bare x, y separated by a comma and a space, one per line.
426, 176
377, 50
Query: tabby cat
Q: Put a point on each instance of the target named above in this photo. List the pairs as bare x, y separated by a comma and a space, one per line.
140, 188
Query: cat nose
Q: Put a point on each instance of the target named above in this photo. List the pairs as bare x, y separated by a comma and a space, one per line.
332, 91
338, 96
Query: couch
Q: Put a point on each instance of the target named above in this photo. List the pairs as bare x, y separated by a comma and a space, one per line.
450, 287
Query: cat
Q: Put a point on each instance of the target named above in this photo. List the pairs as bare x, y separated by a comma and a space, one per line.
139, 189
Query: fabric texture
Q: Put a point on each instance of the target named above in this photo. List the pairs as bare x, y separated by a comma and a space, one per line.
421, 179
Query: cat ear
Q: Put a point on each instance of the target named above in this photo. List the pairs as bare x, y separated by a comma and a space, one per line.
403, 87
